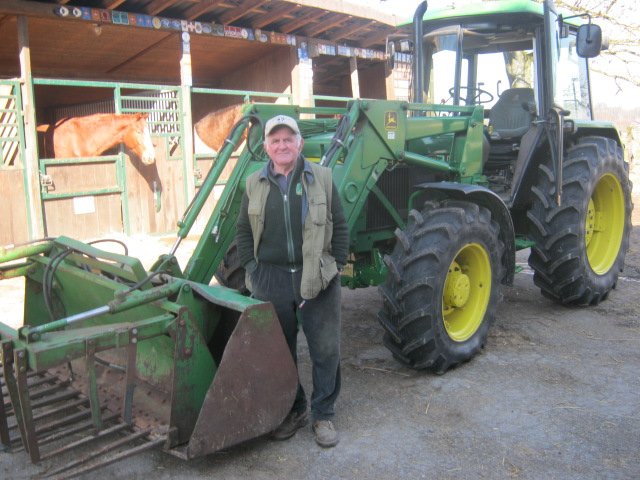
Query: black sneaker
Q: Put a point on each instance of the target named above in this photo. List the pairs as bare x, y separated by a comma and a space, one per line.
290, 425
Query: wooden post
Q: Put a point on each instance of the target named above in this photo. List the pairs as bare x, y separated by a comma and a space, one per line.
355, 82
186, 81
31, 167
302, 76
389, 82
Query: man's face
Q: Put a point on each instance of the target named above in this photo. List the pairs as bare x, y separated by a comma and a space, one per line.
283, 147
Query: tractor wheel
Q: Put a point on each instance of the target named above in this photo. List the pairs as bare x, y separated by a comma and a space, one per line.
230, 273
581, 244
440, 296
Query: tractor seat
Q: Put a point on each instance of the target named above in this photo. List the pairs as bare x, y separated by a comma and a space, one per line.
512, 114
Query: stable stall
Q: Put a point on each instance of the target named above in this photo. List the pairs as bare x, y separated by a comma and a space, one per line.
175, 61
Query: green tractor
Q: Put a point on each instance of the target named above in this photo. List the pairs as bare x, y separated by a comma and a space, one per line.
497, 152
542, 175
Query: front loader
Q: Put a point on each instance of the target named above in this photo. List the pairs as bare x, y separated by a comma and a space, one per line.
438, 196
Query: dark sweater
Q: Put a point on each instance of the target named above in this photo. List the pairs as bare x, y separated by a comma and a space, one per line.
274, 246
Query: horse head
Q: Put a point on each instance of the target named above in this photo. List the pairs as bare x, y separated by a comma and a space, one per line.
138, 139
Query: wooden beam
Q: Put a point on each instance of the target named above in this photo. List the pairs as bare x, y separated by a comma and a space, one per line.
275, 14
141, 52
20, 7
355, 81
326, 23
32, 163
201, 8
300, 21
112, 4
158, 6
240, 11
349, 30
377, 36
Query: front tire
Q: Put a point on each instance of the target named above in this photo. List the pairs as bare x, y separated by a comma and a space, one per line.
581, 244
440, 296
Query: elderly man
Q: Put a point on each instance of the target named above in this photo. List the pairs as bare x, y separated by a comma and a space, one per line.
293, 241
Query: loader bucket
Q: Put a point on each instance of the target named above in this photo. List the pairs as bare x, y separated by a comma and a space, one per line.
254, 387
133, 360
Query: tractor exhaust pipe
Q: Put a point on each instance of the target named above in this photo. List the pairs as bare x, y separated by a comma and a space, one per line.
418, 69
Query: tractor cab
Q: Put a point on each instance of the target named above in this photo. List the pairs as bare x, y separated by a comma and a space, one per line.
516, 59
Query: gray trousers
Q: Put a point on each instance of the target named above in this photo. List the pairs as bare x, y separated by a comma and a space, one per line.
320, 322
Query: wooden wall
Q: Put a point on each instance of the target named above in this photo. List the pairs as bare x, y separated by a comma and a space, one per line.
13, 218
83, 217
271, 73
155, 193
373, 81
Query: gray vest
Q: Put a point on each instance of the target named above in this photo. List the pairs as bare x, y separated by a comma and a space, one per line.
318, 265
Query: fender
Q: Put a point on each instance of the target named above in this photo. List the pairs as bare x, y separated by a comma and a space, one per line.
486, 198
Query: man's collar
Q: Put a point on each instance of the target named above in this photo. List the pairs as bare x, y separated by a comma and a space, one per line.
268, 168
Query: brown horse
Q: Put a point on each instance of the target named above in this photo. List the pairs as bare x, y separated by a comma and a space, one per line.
92, 135
211, 130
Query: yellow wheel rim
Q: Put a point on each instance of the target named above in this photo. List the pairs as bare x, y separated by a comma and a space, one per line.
466, 292
604, 225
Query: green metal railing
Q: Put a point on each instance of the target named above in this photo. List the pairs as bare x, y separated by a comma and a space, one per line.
247, 96
11, 125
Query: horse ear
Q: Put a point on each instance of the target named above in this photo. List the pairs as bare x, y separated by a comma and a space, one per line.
141, 115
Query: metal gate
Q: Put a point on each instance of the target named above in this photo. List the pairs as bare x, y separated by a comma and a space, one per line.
88, 197
14, 220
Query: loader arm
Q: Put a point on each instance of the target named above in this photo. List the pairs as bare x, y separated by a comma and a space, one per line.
371, 137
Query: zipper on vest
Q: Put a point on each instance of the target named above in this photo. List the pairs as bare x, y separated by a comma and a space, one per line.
288, 229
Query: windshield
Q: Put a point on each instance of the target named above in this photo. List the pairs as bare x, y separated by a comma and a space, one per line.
441, 67
486, 64
572, 80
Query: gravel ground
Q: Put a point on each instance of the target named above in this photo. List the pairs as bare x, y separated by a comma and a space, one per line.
554, 395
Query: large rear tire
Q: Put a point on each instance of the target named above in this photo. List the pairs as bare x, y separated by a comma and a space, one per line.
440, 296
581, 244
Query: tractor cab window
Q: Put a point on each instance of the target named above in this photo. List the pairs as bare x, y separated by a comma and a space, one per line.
572, 81
475, 64
442, 67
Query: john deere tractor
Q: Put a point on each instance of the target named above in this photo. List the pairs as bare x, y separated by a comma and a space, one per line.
497, 151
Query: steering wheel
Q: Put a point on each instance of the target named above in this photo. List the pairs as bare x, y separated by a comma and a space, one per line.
478, 93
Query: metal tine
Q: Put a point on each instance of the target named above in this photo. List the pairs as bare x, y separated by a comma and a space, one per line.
70, 431
87, 439
67, 394
65, 421
61, 423
44, 378
108, 461
36, 383
76, 403
46, 391
101, 451
29, 374
55, 398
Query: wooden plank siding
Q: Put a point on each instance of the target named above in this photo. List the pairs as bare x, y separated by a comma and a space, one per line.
164, 176
13, 219
61, 215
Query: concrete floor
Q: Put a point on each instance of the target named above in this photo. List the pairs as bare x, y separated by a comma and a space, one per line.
554, 395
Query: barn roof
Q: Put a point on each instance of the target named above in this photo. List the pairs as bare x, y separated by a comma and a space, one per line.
332, 20
66, 41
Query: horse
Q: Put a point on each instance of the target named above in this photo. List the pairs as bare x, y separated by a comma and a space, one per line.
210, 132
92, 135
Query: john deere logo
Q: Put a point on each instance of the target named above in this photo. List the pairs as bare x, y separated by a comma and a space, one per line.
391, 120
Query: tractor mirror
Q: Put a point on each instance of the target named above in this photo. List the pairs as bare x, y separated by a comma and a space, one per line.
589, 41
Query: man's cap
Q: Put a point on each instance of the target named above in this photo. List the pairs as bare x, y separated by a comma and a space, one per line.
278, 121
